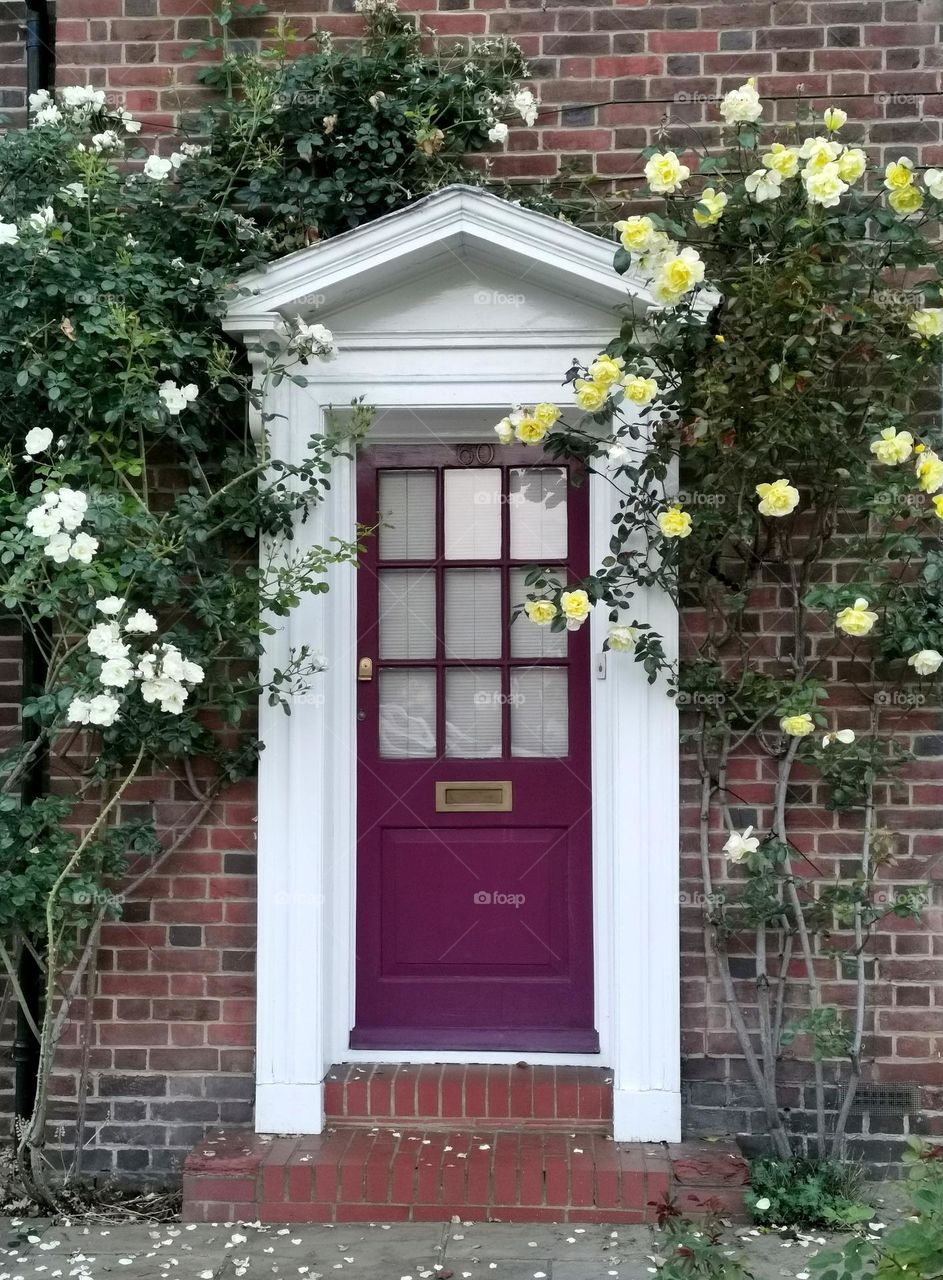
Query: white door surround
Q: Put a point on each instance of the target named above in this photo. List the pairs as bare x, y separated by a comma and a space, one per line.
447, 314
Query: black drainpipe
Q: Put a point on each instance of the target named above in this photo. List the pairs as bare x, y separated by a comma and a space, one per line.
35, 784
40, 58
40, 62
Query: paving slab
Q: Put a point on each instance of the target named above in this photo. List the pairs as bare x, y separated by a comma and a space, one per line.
379, 1251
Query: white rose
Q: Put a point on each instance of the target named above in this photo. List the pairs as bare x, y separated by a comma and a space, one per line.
58, 548
103, 709
526, 105
9, 234
78, 711
934, 183
738, 847
177, 398
622, 638
157, 168
192, 672
105, 640
498, 132
926, 663
764, 184
37, 441
110, 605
845, 736
141, 623
43, 521
83, 548
117, 671
742, 106
41, 219
72, 505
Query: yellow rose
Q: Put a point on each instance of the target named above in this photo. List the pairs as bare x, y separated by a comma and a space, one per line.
851, 164
893, 447
899, 174
622, 639
818, 152
678, 276
590, 395
824, 186
714, 202
575, 605
834, 118
907, 200
605, 371
529, 431
640, 390
636, 233
540, 611
777, 499
782, 160
927, 323
546, 414
797, 726
856, 619
675, 523
938, 505
665, 172
930, 472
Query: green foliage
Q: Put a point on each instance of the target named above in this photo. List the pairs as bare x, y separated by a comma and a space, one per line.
689, 1252
913, 1250
806, 1193
315, 141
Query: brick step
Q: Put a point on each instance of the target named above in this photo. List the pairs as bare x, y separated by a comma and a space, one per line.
454, 1095
399, 1174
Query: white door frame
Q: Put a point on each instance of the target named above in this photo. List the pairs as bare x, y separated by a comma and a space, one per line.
307, 776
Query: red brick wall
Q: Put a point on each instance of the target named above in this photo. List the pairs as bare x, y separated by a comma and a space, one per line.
171, 1039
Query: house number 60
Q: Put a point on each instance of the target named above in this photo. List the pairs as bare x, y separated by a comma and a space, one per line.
471, 455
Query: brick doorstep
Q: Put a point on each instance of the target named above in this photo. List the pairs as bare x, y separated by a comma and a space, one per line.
393, 1173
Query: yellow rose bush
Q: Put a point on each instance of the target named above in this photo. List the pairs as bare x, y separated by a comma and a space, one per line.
761, 418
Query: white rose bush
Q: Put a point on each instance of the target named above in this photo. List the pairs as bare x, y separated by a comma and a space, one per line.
767, 418
132, 504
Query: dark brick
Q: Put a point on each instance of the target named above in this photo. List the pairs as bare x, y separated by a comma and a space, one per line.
185, 935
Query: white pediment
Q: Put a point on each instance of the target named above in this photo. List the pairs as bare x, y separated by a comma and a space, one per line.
460, 261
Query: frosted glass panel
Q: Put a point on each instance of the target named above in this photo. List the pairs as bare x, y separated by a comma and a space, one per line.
473, 514
473, 613
539, 712
407, 515
527, 639
538, 513
407, 715
407, 613
473, 714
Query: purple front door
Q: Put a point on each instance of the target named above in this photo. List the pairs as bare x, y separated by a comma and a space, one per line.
474, 872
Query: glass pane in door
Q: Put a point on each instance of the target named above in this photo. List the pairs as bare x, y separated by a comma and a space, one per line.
473, 514
473, 705
407, 613
407, 714
407, 515
473, 619
539, 712
537, 498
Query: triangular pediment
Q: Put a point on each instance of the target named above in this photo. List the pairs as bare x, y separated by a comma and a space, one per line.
458, 239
